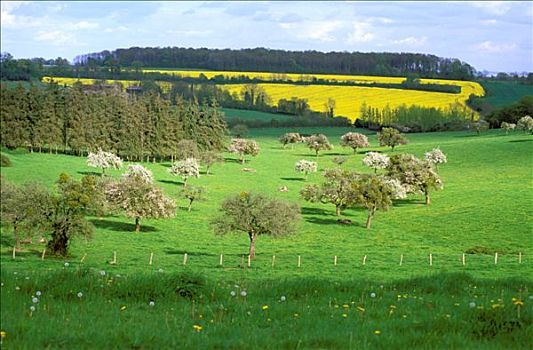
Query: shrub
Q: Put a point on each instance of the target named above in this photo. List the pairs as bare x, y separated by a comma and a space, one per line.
5, 161
354, 140
306, 167
391, 137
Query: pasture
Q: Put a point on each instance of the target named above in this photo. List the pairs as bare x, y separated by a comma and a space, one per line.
486, 303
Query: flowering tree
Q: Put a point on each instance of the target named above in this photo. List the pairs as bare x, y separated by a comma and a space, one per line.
186, 168
376, 160
138, 197
244, 147
104, 160
306, 167
318, 142
290, 137
255, 215
391, 137
415, 175
436, 157
354, 140
480, 126
525, 123
508, 127
139, 172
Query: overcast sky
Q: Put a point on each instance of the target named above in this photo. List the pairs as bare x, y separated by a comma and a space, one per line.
494, 36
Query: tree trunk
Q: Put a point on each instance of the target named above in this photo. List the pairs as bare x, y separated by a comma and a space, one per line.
338, 210
428, 200
190, 204
16, 234
369, 218
355, 150
316, 153
137, 224
207, 170
252, 245
59, 243
242, 160
185, 182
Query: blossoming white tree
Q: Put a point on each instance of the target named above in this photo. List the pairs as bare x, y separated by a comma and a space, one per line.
306, 167
318, 142
104, 160
244, 147
354, 140
508, 127
186, 168
290, 137
138, 197
436, 157
376, 160
525, 123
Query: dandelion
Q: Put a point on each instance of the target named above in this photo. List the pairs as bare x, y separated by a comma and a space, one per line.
232, 293
151, 303
372, 295
243, 293
67, 264
35, 300
160, 270
346, 306
264, 307
123, 307
296, 314
283, 298
102, 273
17, 288
377, 332
38, 293
32, 308
495, 306
80, 295
518, 302
344, 315
3, 334
197, 327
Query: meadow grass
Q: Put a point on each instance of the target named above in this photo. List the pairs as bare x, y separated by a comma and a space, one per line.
503, 93
485, 206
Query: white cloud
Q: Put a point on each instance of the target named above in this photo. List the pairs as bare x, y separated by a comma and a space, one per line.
490, 47
362, 33
116, 29
84, 25
190, 32
55, 37
381, 20
497, 8
315, 30
10, 20
411, 41
489, 22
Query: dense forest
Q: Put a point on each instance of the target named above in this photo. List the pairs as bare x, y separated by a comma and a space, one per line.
71, 120
281, 61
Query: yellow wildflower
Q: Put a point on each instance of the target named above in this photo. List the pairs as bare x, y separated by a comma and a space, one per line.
123, 307
345, 306
518, 302
344, 315
265, 307
3, 334
197, 328
495, 306
362, 309
377, 332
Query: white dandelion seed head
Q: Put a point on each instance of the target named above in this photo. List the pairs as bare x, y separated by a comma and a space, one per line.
67, 264
160, 270
283, 298
34, 300
372, 295
232, 293
102, 273
32, 308
38, 293
17, 288
472, 305
243, 293
151, 303
80, 294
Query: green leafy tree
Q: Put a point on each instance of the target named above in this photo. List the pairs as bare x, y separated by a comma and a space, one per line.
336, 189
187, 149
354, 140
193, 194
256, 215
391, 137
239, 130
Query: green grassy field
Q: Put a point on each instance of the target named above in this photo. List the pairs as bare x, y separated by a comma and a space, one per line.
485, 203
502, 93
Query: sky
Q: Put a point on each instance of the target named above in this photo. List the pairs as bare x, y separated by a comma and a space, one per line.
496, 36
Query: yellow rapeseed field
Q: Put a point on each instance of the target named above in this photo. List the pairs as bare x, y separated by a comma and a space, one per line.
348, 99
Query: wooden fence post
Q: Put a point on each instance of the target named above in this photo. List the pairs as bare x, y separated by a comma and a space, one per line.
464, 259
44, 252
335, 260
364, 260
299, 261
151, 258
221, 261
82, 258
519, 257
430, 259
185, 256
495, 258
273, 260
401, 259
249, 261
14, 252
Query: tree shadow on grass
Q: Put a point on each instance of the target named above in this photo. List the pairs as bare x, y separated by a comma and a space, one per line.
411, 201
292, 178
166, 165
231, 160
171, 182
525, 140
333, 221
93, 173
317, 211
6, 240
120, 226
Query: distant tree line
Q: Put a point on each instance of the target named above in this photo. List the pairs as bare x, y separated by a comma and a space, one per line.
414, 118
281, 61
511, 113
135, 127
